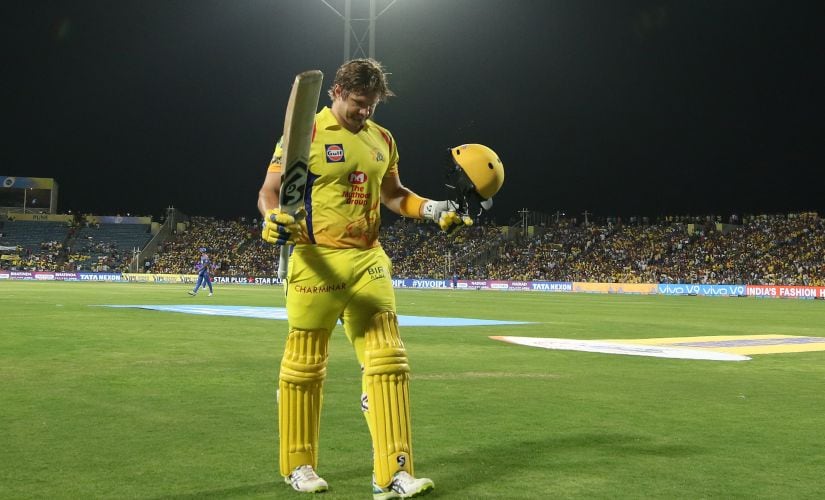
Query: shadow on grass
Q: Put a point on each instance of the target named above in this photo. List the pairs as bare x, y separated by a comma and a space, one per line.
236, 492
357, 474
556, 454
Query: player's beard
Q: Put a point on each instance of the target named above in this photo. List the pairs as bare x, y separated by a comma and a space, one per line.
357, 120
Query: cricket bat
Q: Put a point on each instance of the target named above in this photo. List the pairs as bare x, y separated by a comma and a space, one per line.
298, 125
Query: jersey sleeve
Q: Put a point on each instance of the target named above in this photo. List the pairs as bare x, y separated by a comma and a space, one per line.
392, 169
275, 162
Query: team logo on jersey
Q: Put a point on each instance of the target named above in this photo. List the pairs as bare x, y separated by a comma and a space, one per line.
377, 155
357, 177
335, 153
279, 151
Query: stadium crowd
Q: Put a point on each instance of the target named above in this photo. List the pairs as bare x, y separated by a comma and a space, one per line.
766, 249
235, 247
70, 254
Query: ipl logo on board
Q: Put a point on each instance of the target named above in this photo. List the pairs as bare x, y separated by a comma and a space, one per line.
335, 153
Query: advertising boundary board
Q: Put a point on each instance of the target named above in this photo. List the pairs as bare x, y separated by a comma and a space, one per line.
722, 290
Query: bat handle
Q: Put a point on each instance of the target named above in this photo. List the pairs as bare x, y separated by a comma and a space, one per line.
283, 264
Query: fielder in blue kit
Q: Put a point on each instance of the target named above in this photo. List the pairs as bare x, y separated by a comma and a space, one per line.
204, 267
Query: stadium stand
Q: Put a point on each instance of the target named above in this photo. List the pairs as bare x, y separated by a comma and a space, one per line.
105, 247
235, 246
31, 234
38, 244
764, 249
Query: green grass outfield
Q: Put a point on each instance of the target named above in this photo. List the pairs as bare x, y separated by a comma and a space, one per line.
127, 403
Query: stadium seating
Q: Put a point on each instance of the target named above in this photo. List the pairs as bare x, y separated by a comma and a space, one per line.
765, 249
30, 234
107, 247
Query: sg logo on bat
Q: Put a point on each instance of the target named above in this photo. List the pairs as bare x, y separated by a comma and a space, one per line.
294, 184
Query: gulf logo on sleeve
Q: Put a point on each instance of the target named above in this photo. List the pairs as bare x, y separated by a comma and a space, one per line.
334, 153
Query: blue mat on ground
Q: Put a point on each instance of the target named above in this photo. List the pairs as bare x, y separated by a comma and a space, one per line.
280, 313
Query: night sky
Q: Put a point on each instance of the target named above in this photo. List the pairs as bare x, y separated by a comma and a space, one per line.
614, 107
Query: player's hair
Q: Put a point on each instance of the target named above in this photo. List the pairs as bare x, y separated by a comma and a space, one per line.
362, 76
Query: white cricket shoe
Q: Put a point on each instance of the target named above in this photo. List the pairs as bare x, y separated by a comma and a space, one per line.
210, 294
403, 485
304, 479
190, 292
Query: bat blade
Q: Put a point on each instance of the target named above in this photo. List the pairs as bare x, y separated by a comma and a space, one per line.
299, 122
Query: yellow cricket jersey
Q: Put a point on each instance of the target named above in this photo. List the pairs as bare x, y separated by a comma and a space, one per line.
343, 194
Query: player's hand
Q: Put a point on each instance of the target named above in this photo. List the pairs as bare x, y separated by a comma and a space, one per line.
446, 214
279, 227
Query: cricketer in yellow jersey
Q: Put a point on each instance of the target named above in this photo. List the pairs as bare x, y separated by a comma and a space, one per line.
338, 270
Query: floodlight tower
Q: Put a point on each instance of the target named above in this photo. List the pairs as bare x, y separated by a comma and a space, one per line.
358, 28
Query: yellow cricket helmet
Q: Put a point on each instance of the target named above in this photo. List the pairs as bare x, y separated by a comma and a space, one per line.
482, 167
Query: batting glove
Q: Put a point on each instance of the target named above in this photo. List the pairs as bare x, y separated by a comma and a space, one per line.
279, 227
445, 214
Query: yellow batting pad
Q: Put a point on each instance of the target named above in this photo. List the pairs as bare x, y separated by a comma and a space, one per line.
303, 369
386, 378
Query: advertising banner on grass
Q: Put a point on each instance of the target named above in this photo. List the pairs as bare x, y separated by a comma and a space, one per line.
546, 286
64, 276
139, 277
101, 277
233, 280
705, 290
159, 278
247, 280
423, 283
39, 275
21, 275
427, 283
635, 288
477, 284
176, 278
552, 286
786, 292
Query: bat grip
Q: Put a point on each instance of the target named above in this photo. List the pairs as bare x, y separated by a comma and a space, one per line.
283, 264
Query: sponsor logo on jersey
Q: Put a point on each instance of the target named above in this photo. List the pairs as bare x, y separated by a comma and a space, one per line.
325, 288
376, 272
334, 152
357, 177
